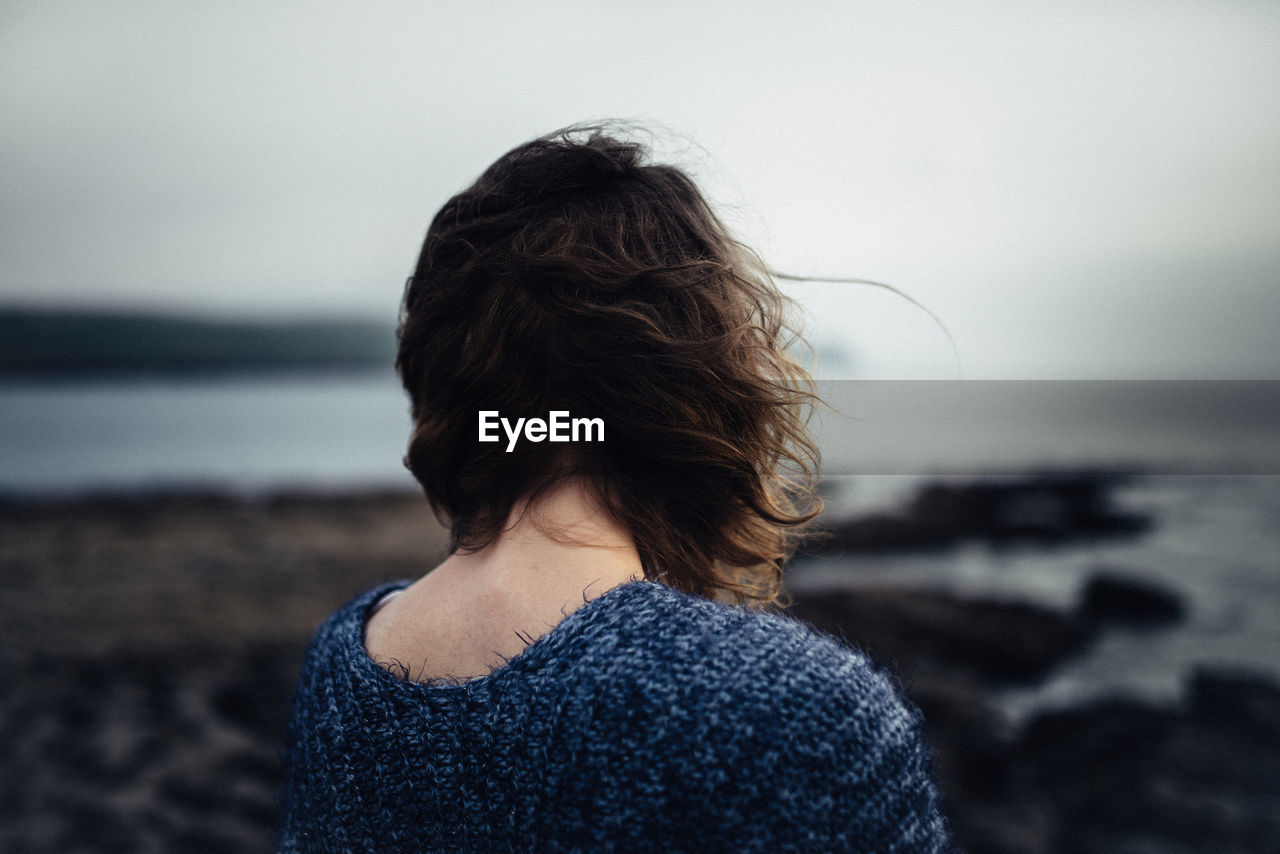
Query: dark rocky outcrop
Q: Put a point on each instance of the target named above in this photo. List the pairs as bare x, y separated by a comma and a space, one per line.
1048, 509
992, 640
1121, 775
1112, 596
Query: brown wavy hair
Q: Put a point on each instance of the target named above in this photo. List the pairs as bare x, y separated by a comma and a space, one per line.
576, 275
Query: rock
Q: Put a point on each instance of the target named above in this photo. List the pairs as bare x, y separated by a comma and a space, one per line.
965, 733
1247, 703
1045, 509
1076, 744
1110, 596
1122, 775
913, 629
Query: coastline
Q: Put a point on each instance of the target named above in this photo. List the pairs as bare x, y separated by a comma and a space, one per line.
152, 642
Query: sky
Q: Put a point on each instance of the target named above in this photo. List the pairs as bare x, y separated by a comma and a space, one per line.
1084, 190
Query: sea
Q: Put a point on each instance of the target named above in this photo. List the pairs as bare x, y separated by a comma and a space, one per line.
1202, 458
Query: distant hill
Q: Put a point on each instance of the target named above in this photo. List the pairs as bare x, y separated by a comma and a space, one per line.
50, 342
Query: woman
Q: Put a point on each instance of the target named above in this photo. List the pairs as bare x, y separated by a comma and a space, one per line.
603, 405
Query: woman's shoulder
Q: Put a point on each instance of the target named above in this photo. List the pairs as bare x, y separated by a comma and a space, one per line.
657, 649
763, 714
648, 623
340, 636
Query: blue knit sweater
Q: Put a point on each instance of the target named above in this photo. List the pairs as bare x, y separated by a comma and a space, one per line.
647, 720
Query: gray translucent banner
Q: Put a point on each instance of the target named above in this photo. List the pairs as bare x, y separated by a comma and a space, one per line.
979, 426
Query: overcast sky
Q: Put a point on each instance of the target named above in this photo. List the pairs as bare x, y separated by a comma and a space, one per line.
1080, 190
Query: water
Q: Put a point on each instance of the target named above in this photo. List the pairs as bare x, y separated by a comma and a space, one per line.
1215, 540
344, 430
960, 427
241, 434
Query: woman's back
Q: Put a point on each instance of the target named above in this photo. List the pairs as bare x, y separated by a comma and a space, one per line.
648, 719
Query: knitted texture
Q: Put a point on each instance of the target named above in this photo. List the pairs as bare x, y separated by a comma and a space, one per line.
647, 720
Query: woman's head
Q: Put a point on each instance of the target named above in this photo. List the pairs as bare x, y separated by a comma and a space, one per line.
576, 276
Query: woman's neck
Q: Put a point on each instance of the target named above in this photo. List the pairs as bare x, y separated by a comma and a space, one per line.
566, 535
478, 608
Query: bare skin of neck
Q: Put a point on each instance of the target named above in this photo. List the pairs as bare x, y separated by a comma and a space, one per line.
478, 609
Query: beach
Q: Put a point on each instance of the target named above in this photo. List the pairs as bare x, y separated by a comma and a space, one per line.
151, 641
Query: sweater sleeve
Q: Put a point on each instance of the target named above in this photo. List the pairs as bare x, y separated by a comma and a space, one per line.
855, 774
841, 764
